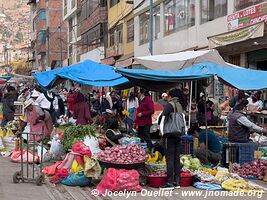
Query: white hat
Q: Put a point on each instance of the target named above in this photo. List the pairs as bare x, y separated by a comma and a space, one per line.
35, 93
27, 103
201, 94
164, 94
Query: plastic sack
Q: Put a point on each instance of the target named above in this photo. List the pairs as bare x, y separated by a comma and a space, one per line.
75, 167
92, 143
207, 186
16, 157
119, 180
59, 176
77, 180
134, 140
67, 162
39, 151
108, 182
56, 148
92, 167
222, 174
81, 148
52, 169
27, 130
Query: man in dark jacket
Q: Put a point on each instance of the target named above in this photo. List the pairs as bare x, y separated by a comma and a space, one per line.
240, 126
144, 117
8, 105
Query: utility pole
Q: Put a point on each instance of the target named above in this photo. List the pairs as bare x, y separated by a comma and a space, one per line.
151, 27
47, 35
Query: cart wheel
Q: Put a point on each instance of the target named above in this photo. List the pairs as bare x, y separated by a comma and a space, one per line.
142, 180
16, 177
40, 180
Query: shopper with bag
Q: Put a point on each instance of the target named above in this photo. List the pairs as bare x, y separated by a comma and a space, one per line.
172, 127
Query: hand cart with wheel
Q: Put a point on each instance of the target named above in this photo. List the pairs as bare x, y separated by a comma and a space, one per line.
26, 174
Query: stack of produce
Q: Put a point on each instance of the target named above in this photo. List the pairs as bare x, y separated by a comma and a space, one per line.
156, 165
241, 186
255, 169
190, 163
127, 154
213, 172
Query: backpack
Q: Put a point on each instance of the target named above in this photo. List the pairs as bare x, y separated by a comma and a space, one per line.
174, 124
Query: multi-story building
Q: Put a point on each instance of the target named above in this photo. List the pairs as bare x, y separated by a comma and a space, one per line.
234, 27
72, 17
93, 30
48, 34
120, 49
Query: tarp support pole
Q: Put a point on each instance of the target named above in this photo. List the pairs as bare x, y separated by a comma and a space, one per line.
206, 121
190, 104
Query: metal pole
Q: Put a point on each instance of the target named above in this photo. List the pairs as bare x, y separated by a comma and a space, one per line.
47, 34
206, 123
151, 27
190, 103
61, 56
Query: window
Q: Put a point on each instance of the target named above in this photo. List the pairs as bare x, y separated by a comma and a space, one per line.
212, 9
130, 30
73, 3
113, 3
144, 28
115, 35
70, 30
156, 22
70, 51
242, 4
42, 14
88, 7
179, 15
93, 36
65, 7
42, 37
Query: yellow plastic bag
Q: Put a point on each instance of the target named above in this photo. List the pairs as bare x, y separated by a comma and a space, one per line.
9, 133
240, 186
2, 133
75, 167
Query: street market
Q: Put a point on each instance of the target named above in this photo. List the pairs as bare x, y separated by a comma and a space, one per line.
98, 126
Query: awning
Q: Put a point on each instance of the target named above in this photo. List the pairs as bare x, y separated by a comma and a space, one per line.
180, 60
224, 39
125, 61
160, 80
108, 61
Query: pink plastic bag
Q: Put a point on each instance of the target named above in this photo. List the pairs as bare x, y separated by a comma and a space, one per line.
119, 180
16, 157
67, 162
81, 148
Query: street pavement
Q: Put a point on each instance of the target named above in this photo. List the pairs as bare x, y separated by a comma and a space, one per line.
48, 191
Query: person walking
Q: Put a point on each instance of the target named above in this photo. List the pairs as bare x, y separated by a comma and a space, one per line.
172, 142
144, 117
132, 104
8, 105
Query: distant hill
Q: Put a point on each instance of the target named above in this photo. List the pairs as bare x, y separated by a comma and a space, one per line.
6, 4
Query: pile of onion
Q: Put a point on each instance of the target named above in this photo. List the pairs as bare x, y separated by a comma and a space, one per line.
254, 169
127, 154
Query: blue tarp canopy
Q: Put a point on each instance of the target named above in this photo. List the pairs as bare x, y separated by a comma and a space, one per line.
5, 77
87, 72
157, 80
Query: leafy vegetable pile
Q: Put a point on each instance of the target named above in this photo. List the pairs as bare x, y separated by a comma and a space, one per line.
72, 134
190, 163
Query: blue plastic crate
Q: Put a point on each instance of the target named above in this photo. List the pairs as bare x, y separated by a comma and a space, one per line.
187, 145
237, 153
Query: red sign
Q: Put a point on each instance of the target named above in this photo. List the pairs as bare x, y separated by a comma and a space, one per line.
247, 17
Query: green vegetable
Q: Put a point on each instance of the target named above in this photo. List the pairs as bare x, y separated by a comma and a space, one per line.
72, 134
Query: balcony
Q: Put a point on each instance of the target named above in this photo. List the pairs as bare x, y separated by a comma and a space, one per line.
40, 48
113, 51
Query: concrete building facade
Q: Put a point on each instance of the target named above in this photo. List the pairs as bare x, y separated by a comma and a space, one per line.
120, 48
232, 26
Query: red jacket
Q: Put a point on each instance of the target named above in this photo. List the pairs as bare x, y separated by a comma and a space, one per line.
82, 113
146, 107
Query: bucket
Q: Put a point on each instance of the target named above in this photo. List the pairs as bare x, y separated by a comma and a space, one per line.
156, 181
186, 179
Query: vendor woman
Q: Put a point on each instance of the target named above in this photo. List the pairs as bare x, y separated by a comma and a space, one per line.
240, 126
113, 134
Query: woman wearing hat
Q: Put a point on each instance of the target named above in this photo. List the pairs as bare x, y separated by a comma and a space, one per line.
38, 119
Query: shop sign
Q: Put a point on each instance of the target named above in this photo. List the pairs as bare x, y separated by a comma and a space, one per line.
250, 32
247, 17
108, 61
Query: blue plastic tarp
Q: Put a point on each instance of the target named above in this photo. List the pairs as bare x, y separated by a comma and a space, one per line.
87, 72
240, 78
5, 77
